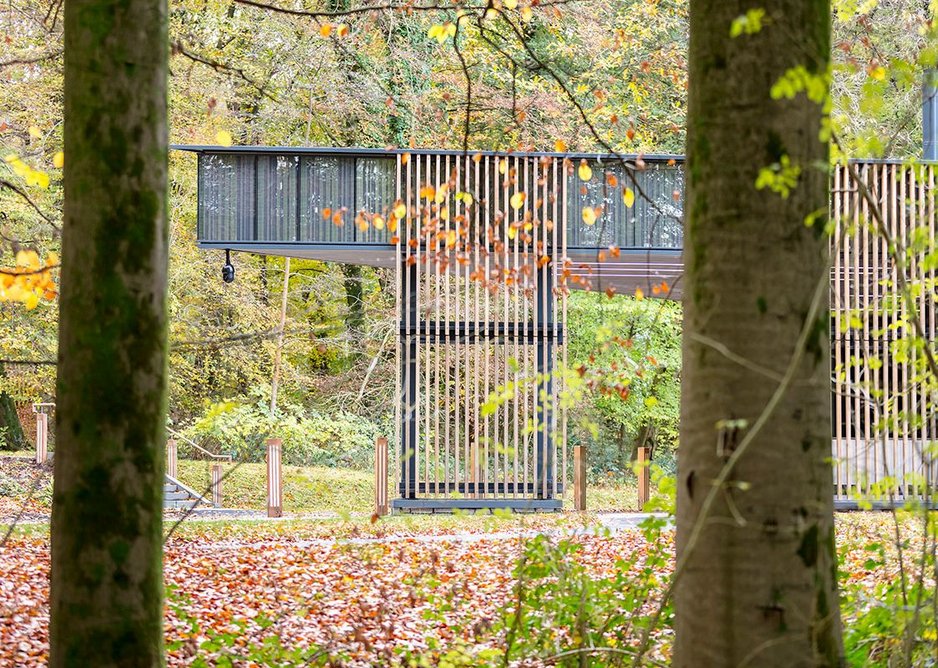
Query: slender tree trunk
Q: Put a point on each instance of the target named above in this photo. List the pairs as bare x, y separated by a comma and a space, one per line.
107, 591
13, 438
278, 352
354, 299
758, 583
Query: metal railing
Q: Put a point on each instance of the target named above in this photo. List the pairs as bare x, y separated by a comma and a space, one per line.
189, 441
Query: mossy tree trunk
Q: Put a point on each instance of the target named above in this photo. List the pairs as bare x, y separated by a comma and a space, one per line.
355, 301
107, 591
758, 585
13, 437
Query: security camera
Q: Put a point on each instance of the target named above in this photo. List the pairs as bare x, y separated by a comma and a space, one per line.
227, 270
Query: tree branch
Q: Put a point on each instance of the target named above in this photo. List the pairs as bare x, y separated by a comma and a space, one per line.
31, 60
22, 193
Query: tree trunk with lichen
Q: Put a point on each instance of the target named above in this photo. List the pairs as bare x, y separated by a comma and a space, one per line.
11, 430
757, 583
107, 591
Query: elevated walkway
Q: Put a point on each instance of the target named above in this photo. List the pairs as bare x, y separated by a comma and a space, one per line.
335, 205
485, 247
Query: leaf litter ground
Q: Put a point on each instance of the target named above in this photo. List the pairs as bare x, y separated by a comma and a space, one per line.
358, 591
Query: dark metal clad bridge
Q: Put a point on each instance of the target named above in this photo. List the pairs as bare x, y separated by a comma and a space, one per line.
484, 248
272, 200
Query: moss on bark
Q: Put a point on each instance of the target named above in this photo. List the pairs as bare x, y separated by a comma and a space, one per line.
106, 606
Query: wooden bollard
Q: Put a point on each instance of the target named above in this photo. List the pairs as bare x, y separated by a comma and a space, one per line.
42, 437
381, 476
171, 461
274, 479
579, 477
644, 477
216, 485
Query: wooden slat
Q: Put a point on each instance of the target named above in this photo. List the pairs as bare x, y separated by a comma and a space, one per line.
898, 234
893, 369
563, 317
932, 325
398, 304
515, 375
837, 311
863, 301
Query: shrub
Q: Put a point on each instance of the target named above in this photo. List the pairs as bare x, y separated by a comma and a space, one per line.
310, 438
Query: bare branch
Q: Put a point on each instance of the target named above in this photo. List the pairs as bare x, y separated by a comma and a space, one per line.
29, 362
364, 9
218, 66
22, 193
31, 60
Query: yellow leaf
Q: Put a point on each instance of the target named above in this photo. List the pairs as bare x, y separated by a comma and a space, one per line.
511, 4
527, 14
589, 216
378, 222
584, 171
878, 73
441, 32
223, 138
31, 299
400, 210
517, 200
628, 197
42, 179
10, 158
441, 193
392, 225
512, 232
52, 259
560, 146
35, 132
451, 239
502, 166
464, 197
15, 293
325, 29
58, 160
639, 294
28, 259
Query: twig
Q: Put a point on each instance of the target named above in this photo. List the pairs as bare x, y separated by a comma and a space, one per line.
30, 60
22, 193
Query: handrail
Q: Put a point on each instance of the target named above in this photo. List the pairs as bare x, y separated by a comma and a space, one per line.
197, 446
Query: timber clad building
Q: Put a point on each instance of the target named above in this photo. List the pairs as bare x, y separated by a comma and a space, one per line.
485, 248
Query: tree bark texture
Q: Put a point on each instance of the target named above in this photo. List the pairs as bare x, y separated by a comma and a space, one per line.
107, 591
13, 437
758, 585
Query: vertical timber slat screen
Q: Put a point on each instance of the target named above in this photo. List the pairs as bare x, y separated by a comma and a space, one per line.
479, 326
483, 254
883, 403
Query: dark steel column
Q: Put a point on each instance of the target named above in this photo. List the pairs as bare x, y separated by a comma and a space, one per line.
408, 379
